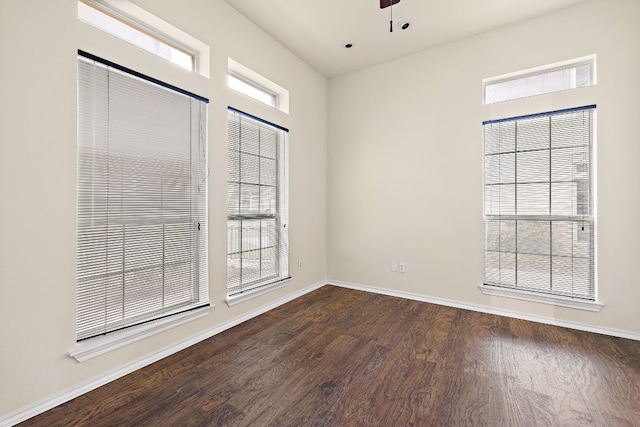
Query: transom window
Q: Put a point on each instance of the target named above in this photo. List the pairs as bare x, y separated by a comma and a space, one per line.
537, 81
250, 83
252, 90
134, 25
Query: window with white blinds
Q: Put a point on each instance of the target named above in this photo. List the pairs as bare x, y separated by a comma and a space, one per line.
539, 223
142, 199
257, 208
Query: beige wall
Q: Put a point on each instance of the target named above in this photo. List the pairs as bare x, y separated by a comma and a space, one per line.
405, 160
38, 44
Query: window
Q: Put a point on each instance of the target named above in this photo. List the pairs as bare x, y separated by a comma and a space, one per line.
539, 223
257, 209
551, 78
256, 86
252, 89
142, 199
130, 23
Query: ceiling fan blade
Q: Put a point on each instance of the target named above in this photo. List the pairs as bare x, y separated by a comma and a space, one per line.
387, 3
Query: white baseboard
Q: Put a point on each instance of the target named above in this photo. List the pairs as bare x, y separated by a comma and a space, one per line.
30, 411
490, 310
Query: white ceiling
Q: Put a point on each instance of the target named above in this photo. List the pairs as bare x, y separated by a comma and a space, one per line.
316, 30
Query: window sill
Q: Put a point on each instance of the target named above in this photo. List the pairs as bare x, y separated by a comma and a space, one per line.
88, 349
541, 298
245, 296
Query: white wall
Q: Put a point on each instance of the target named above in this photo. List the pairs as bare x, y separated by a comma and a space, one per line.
405, 160
403, 181
38, 44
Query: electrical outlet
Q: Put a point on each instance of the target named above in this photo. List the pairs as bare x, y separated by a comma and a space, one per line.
300, 264
394, 266
402, 267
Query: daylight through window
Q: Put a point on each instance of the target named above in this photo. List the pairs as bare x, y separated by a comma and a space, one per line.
539, 222
538, 81
252, 90
257, 207
117, 24
142, 199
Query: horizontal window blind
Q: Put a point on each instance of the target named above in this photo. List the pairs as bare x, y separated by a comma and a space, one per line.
539, 228
257, 208
142, 200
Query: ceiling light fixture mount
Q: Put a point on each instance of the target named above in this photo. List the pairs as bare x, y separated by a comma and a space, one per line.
389, 3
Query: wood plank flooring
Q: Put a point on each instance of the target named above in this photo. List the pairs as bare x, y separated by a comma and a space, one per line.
340, 357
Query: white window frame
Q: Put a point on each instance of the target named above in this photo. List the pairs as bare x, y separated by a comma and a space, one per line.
549, 78
248, 194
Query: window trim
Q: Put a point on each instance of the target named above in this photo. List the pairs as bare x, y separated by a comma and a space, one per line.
557, 300
254, 293
97, 346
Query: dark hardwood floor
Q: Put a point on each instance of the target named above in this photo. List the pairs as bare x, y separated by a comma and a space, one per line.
339, 357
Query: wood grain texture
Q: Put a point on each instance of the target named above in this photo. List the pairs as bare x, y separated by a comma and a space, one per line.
340, 357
